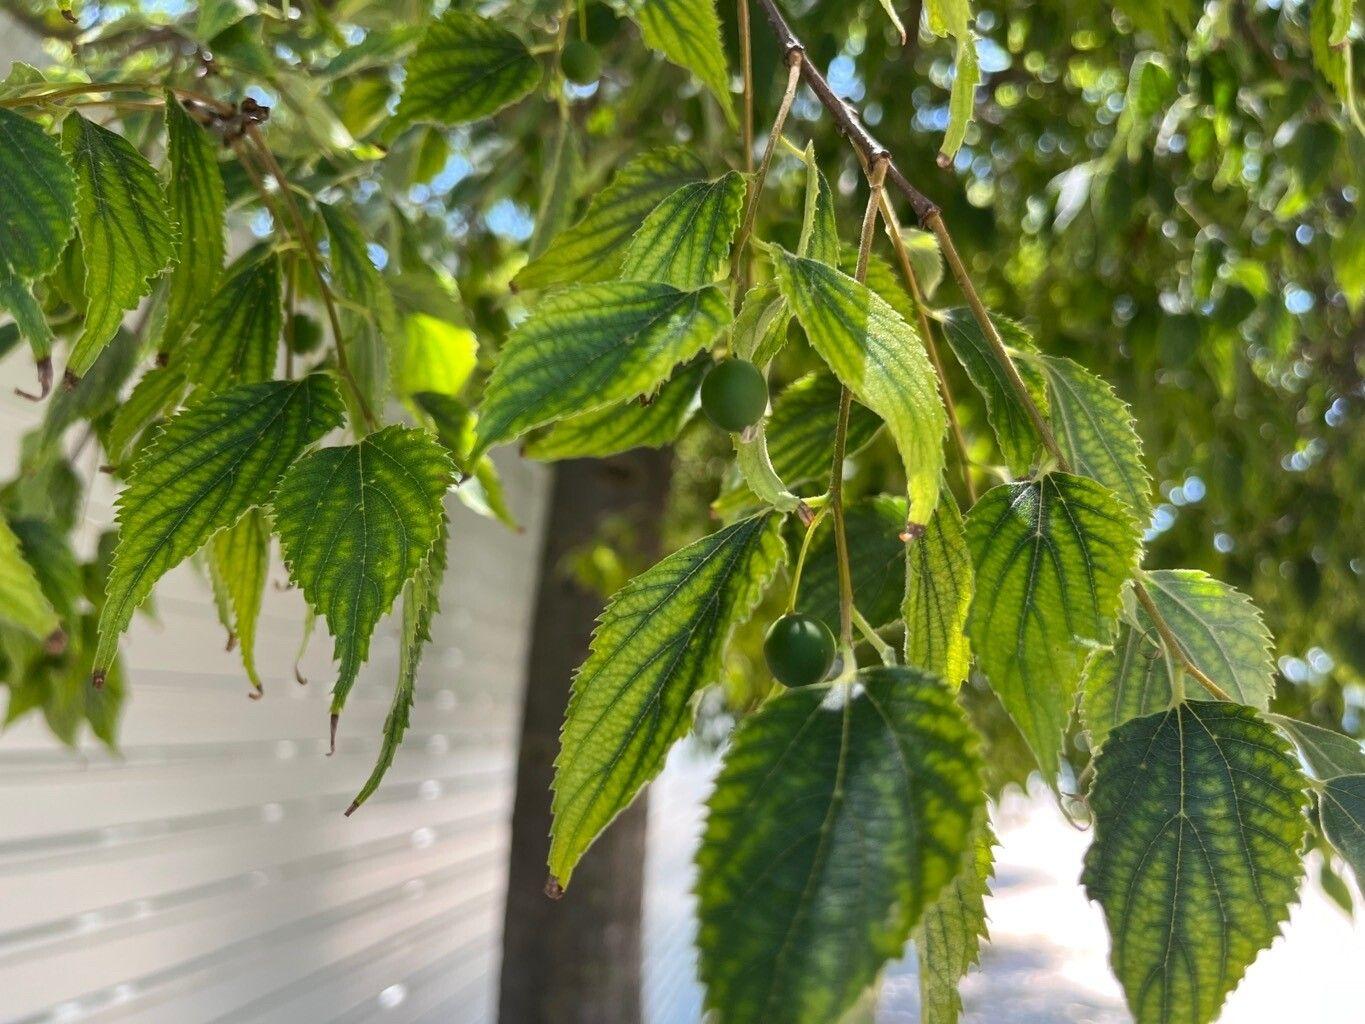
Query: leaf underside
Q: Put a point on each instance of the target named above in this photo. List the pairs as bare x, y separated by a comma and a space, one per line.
686, 240
194, 190
1199, 826
839, 815
1050, 556
948, 942
876, 555
938, 596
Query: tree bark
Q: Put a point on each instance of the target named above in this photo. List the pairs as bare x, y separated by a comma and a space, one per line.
576, 960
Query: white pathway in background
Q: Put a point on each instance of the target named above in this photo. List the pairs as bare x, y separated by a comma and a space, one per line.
1047, 960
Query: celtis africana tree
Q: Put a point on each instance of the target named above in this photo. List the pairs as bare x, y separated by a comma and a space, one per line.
932, 276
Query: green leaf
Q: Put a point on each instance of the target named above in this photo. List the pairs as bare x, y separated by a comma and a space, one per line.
1327, 753
559, 181
876, 555
760, 325
1018, 439
37, 219
938, 595
211, 463
239, 561
1095, 430
355, 522
839, 816
127, 236
370, 321
882, 279
436, 356
1050, 556
591, 346
819, 226
634, 423
465, 68
685, 242
237, 338
948, 17
22, 601
687, 32
656, 646
421, 601
1199, 825
1343, 820
948, 943
879, 358
194, 189
802, 428
153, 397
962, 99
592, 250
1218, 627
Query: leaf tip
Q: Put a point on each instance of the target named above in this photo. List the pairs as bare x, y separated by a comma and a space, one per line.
553, 889
55, 642
332, 734
44, 368
97, 678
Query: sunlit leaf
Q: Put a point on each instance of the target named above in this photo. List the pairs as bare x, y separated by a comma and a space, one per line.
1050, 556
211, 463
237, 337
879, 358
686, 240
126, 234
938, 595
587, 347
239, 560
593, 248
687, 32
876, 555
948, 942
22, 601
658, 643
465, 67
194, 190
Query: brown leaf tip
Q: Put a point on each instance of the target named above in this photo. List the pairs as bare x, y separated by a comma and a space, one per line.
97, 678
553, 889
55, 642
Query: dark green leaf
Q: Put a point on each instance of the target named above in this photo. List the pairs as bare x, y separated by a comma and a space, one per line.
212, 462
1343, 819
22, 601
237, 338
840, 815
194, 188
355, 523
876, 557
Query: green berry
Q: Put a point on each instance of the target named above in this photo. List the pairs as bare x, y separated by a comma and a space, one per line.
305, 334
734, 395
799, 650
580, 62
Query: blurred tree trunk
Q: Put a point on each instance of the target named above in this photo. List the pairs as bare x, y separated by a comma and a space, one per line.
576, 960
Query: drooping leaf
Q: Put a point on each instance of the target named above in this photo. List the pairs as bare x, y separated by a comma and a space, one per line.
938, 595
593, 248
464, 68
876, 555
239, 558
1327, 753
687, 32
126, 233
819, 227
634, 423
1218, 627
879, 358
1095, 430
370, 322
761, 325
1050, 556
1198, 827
421, 601
948, 943
837, 819
355, 522
1018, 439
37, 219
237, 338
558, 187
194, 189
587, 347
686, 240
22, 601
211, 463
962, 99
1342, 804
658, 643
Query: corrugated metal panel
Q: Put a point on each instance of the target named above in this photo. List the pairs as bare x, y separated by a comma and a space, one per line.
208, 874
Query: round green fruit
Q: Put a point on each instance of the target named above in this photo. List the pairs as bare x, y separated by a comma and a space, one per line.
580, 62
305, 334
799, 650
734, 395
